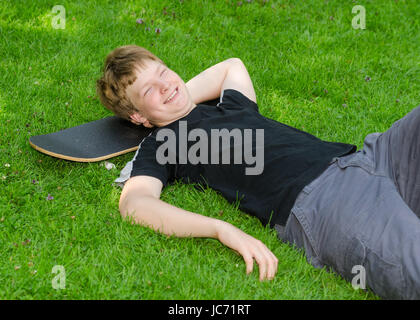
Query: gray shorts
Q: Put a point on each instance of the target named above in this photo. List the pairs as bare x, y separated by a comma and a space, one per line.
364, 210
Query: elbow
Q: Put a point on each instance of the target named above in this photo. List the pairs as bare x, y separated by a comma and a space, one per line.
129, 210
122, 206
235, 60
126, 206
132, 207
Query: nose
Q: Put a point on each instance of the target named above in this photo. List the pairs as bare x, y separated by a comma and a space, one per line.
164, 85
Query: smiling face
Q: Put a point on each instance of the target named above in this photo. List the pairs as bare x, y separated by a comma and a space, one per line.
159, 95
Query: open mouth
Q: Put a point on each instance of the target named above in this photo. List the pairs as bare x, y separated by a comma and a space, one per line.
173, 96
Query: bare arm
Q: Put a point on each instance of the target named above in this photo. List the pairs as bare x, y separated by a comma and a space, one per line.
228, 74
140, 200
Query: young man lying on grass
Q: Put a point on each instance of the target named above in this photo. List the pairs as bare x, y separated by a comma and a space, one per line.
345, 208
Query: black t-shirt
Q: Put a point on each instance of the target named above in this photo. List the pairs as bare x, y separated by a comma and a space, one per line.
283, 162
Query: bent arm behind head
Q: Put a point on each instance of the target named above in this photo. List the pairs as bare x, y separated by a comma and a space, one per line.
228, 74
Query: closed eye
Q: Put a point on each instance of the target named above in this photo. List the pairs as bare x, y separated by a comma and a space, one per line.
150, 87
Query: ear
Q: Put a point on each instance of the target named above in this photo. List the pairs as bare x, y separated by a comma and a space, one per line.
137, 119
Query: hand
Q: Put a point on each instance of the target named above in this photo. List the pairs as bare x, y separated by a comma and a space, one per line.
250, 249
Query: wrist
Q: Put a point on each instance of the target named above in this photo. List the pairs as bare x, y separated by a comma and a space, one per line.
219, 227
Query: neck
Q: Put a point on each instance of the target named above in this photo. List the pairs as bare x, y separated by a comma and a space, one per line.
183, 114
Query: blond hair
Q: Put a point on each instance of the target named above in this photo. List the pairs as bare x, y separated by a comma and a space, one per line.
118, 73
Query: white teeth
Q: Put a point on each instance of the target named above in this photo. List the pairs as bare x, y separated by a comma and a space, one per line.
172, 95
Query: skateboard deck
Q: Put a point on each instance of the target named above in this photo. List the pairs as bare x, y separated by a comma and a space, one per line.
94, 141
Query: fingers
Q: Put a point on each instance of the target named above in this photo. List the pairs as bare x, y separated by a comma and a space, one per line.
250, 249
272, 263
266, 260
249, 262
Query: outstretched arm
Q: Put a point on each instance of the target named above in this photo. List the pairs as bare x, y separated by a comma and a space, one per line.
228, 74
140, 199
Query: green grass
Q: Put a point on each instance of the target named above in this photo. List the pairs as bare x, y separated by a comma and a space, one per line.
306, 62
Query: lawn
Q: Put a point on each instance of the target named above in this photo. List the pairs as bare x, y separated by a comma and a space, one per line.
310, 68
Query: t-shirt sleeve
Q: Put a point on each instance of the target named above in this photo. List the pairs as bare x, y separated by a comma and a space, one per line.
235, 99
145, 163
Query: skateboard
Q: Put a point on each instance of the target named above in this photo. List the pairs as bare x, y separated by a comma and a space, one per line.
94, 141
